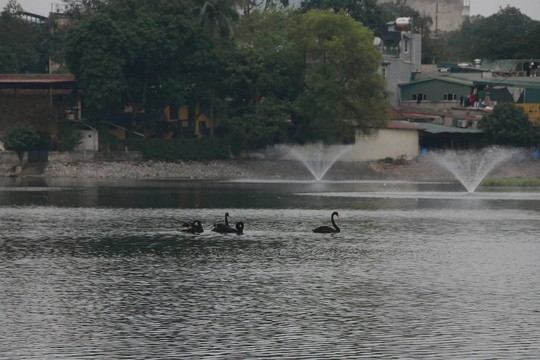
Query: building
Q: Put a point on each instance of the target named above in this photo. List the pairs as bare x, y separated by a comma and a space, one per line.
447, 15
39, 100
398, 140
401, 56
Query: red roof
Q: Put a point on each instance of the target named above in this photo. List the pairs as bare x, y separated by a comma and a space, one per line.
36, 78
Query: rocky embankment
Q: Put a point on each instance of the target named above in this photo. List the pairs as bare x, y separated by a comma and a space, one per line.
420, 170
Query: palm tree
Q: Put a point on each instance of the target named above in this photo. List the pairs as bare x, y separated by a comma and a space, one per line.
217, 17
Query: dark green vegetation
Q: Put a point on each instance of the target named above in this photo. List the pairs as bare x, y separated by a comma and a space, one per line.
190, 149
508, 125
21, 138
513, 182
271, 75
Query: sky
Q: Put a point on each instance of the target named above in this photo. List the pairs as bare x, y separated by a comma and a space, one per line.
530, 8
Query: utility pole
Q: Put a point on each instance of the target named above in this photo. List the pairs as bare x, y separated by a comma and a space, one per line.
436, 15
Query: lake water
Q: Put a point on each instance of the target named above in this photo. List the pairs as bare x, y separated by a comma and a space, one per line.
99, 269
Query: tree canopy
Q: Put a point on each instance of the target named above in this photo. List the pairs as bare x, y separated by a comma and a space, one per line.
340, 79
142, 56
22, 137
312, 75
22, 47
276, 76
508, 34
509, 125
367, 12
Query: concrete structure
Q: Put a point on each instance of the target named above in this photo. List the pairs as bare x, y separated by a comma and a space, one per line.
89, 139
447, 15
398, 140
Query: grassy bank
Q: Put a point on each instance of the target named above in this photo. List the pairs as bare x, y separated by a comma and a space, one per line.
512, 182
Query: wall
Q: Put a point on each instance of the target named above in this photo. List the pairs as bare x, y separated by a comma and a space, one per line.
532, 111
430, 106
75, 156
89, 141
10, 158
385, 143
434, 90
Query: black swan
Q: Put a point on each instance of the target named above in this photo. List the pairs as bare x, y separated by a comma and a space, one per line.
329, 229
218, 227
229, 230
193, 227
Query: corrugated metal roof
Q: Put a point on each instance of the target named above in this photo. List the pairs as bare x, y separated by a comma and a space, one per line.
525, 83
449, 79
441, 129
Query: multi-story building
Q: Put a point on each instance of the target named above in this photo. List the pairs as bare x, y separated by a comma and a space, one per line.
402, 56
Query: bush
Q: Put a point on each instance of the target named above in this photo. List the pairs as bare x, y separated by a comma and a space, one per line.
22, 138
69, 137
182, 149
508, 125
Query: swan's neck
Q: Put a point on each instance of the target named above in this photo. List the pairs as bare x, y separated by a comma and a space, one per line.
334, 224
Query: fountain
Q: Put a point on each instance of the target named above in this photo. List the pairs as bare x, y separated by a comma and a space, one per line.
317, 157
470, 167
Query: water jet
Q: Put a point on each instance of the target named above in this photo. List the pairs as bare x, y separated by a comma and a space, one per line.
317, 158
470, 167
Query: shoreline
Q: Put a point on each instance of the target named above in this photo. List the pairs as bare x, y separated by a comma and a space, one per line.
420, 169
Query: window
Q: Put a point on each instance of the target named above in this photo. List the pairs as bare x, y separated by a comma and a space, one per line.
405, 45
418, 97
449, 97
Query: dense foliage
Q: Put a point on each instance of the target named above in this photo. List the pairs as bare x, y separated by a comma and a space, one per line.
262, 72
509, 125
21, 138
508, 34
21, 44
140, 56
277, 76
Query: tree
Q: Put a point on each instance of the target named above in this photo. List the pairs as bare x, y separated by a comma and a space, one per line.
508, 125
504, 35
78, 9
144, 55
262, 77
341, 83
217, 17
21, 138
21, 49
312, 74
368, 12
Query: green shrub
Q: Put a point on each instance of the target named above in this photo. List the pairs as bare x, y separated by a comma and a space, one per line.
22, 138
68, 137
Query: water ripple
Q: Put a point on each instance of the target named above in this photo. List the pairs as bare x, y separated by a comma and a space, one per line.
125, 283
